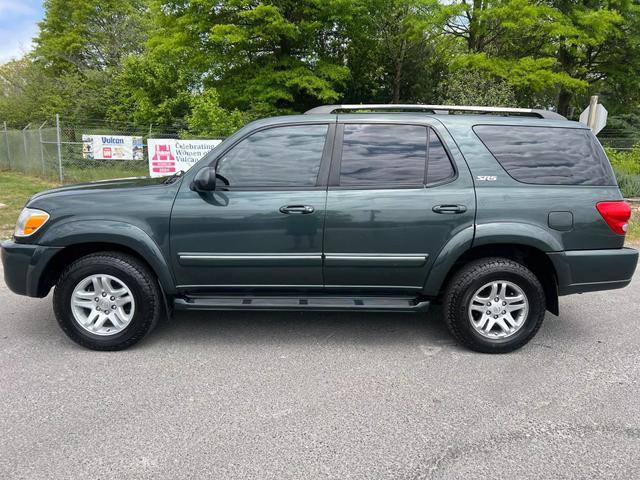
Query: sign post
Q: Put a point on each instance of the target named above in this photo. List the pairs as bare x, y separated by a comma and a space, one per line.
594, 116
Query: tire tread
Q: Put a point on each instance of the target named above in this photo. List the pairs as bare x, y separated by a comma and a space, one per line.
147, 284
457, 288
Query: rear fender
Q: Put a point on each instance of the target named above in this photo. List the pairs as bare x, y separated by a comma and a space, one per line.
453, 249
517, 234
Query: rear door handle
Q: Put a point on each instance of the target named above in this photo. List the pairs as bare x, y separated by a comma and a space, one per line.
449, 209
302, 209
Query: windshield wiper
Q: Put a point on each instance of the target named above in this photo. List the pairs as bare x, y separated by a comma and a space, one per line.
174, 177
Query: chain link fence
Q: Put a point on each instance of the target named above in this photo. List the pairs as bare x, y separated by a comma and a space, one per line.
620, 138
54, 150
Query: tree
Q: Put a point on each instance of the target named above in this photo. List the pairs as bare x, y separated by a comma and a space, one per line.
82, 35
486, 90
208, 118
511, 40
29, 93
186, 62
598, 43
393, 50
264, 57
549, 51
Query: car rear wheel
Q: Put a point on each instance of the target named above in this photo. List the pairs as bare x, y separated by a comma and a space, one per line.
107, 301
494, 305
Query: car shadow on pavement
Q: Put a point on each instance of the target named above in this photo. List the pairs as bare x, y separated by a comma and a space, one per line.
312, 328
218, 328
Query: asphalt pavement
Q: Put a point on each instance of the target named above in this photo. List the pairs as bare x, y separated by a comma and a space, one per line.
322, 395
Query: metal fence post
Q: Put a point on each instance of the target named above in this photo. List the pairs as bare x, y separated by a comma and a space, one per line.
59, 148
6, 139
26, 150
44, 170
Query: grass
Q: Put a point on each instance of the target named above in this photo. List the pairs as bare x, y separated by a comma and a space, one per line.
73, 174
633, 235
15, 190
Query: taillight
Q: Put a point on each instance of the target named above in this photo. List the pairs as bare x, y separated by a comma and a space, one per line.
616, 214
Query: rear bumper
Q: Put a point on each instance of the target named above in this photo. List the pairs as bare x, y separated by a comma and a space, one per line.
24, 265
591, 270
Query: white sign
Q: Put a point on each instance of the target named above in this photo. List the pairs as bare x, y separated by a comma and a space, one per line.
169, 155
601, 118
112, 147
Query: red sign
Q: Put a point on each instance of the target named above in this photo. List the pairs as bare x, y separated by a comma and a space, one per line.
163, 152
106, 152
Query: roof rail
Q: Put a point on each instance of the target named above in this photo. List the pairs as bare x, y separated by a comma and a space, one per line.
438, 109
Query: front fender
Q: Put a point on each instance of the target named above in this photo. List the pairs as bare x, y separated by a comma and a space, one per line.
78, 232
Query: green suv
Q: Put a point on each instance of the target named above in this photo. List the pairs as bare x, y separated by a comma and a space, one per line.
493, 214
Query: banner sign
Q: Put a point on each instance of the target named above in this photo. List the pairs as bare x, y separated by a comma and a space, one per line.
169, 155
112, 147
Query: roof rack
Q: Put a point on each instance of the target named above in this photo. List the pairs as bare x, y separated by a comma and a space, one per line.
438, 109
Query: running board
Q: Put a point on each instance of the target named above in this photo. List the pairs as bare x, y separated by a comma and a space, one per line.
372, 304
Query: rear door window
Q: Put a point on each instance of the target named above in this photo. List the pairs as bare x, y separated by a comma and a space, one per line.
548, 155
439, 168
383, 155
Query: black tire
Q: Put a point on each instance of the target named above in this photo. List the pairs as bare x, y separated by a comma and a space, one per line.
139, 279
475, 275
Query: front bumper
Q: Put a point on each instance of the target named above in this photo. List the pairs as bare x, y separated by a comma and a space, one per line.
24, 266
591, 270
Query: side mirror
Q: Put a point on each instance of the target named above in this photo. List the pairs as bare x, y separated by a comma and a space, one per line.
205, 180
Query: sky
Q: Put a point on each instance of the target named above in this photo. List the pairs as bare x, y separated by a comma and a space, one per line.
18, 25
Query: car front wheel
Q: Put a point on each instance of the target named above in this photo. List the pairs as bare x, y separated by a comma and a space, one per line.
107, 301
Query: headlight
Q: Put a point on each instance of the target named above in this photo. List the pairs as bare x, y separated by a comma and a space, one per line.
30, 221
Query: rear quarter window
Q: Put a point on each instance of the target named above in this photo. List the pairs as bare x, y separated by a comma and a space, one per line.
548, 155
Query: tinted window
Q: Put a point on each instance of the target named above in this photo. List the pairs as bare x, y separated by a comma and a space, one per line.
282, 156
439, 168
548, 155
383, 155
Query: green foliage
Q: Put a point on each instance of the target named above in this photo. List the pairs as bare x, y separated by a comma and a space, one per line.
487, 90
208, 118
626, 165
629, 184
81, 35
149, 91
627, 161
31, 93
185, 62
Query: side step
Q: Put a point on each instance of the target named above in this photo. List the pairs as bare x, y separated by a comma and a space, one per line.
242, 302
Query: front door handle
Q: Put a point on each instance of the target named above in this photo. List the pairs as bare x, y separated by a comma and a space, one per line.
302, 209
449, 209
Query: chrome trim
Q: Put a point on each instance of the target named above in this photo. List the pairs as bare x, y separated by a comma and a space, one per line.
404, 287
249, 286
248, 257
368, 260
399, 287
377, 256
